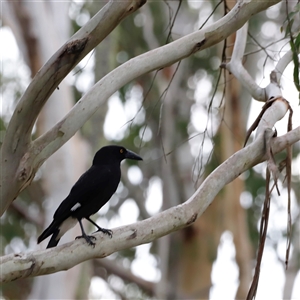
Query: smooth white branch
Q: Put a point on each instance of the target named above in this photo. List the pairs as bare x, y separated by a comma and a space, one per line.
283, 63
17, 153
272, 115
236, 67
64, 257
21, 158
158, 58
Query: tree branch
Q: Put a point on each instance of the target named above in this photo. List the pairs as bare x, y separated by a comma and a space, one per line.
66, 256
64, 60
283, 63
16, 152
20, 159
272, 115
235, 66
155, 59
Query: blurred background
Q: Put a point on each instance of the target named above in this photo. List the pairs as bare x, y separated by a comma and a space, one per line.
184, 120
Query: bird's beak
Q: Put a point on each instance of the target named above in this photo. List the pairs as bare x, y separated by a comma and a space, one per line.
131, 155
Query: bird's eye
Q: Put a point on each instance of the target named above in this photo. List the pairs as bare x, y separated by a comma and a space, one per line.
121, 151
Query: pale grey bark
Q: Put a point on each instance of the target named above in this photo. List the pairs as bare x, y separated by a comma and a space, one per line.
139, 65
19, 155
66, 256
21, 158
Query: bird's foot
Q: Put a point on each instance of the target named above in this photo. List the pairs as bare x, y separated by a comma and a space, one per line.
105, 231
88, 239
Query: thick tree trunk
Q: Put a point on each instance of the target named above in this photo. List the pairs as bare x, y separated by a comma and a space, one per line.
199, 251
232, 139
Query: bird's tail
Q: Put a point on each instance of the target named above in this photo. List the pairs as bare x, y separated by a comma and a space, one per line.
52, 229
53, 241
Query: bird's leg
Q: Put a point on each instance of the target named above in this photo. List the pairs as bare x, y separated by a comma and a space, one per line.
88, 238
106, 231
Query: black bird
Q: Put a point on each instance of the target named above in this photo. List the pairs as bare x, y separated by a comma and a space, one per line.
92, 190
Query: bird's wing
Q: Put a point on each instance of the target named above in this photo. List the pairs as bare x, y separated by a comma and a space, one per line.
93, 182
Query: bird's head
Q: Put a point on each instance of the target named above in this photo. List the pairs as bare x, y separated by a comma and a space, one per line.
112, 153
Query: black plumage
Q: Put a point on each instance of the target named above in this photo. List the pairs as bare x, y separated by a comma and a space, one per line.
92, 190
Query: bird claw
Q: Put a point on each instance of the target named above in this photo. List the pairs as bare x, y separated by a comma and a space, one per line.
105, 231
88, 239
91, 243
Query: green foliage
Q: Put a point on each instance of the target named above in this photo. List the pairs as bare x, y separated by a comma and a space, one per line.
255, 184
294, 42
295, 46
